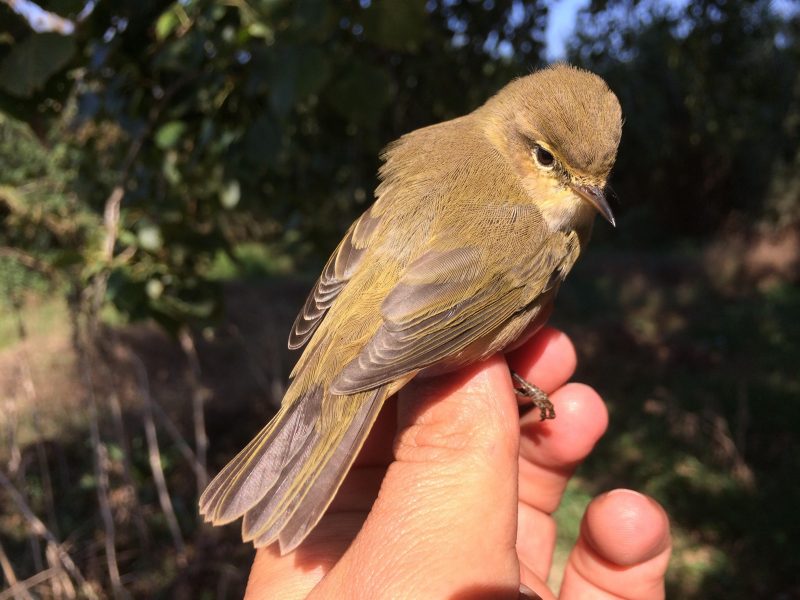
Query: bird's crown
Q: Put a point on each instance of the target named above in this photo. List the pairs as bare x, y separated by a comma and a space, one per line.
569, 110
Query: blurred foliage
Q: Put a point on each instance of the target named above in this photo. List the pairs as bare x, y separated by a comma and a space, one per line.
702, 387
232, 123
166, 148
710, 91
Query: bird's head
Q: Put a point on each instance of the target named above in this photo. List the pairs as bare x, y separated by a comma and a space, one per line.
560, 128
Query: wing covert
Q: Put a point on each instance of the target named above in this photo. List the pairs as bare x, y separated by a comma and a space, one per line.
445, 301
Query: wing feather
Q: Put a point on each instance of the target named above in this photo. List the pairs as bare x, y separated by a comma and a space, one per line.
339, 269
445, 301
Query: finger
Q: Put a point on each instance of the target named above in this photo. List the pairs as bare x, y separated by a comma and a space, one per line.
295, 575
551, 450
444, 523
549, 453
622, 552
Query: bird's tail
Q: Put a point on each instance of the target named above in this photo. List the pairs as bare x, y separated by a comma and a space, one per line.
285, 478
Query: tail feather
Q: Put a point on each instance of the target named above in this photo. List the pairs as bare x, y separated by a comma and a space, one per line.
318, 497
287, 476
308, 486
243, 482
265, 514
212, 497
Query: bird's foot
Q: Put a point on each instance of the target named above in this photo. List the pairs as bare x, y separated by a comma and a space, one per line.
536, 396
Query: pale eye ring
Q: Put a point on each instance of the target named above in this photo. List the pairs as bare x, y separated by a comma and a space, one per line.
545, 159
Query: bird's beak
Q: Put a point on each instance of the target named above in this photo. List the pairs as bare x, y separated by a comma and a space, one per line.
597, 198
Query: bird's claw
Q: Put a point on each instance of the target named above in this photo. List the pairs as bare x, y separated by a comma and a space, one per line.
538, 398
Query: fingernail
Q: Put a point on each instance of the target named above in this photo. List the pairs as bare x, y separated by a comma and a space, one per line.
526, 593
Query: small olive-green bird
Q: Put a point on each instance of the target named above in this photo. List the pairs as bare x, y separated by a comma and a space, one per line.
476, 223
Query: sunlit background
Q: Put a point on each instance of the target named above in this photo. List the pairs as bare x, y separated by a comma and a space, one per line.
173, 175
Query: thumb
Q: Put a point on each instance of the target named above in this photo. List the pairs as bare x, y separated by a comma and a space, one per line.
445, 520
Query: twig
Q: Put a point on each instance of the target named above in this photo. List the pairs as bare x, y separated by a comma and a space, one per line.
16, 470
86, 11
39, 528
15, 590
40, 20
113, 203
154, 456
20, 590
12, 423
111, 214
122, 439
100, 468
29, 387
100, 453
175, 435
60, 583
198, 412
101, 472
111, 209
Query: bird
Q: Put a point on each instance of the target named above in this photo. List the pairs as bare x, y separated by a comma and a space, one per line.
476, 222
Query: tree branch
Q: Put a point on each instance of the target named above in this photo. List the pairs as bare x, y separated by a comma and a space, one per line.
15, 589
40, 20
154, 456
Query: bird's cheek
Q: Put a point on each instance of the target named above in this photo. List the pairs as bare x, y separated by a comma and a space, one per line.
562, 209
538, 185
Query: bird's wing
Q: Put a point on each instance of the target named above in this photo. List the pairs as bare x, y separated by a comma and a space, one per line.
340, 267
448, 299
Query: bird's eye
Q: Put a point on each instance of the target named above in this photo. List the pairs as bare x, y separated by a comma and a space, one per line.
543, 157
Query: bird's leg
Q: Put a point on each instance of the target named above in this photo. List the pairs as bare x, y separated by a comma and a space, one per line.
537, 397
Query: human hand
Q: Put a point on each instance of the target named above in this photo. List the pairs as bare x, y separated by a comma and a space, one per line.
452, 497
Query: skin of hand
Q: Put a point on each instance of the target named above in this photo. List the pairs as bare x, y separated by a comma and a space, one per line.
452, 497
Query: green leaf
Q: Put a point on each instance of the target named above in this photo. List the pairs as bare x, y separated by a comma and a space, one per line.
150, 238
260, 30
166, 24
169, 134
170, 168
230, 194
183, 310
29, 65
154, 288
